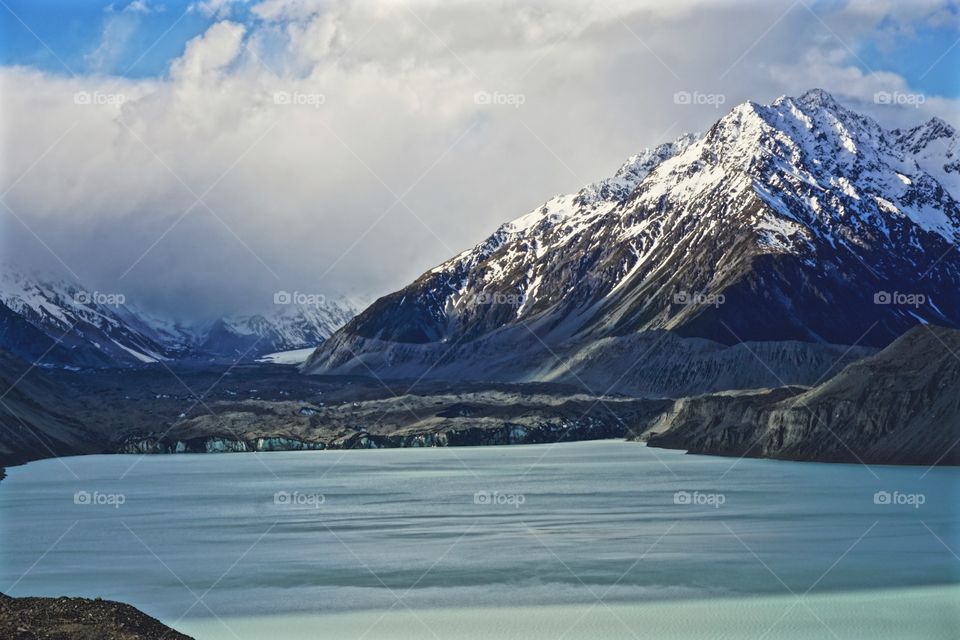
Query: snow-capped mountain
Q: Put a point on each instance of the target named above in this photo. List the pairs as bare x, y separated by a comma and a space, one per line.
60, 323
801, 220
936, 147
290, 327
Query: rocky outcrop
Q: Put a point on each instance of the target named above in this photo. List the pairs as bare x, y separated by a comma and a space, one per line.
900, 406
78, 619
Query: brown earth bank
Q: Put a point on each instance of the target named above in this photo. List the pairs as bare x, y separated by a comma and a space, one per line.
78, 619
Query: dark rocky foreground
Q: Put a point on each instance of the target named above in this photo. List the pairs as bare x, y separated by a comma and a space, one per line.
900, 406
78, 619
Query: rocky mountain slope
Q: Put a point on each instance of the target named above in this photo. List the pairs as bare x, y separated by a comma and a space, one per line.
796, 221
36, 418
653, 364
900, 406
69, 325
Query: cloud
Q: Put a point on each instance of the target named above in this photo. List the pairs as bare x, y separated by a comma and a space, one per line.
341, 148
218, 9
119, 28
207, 56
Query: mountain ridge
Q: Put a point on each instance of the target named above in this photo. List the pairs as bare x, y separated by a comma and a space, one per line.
57, 322
785, 222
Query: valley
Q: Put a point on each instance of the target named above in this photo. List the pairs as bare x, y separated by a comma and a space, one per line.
400, 319
784, 285
898, 406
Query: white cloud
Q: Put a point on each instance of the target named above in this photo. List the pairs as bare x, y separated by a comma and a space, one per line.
139, 6
119, 28
207, 55
214, 8
379, 103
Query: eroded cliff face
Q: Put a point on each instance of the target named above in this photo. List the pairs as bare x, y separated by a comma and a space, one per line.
900, 406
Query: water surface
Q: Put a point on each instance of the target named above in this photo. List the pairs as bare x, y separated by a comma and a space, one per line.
597, 537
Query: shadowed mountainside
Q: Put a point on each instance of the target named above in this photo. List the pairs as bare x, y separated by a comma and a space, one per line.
900, 406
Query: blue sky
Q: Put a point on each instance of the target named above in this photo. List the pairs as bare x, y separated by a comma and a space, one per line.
929, 58
71, 31
51, 31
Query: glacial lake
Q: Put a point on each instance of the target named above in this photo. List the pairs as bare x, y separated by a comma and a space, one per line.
601, 539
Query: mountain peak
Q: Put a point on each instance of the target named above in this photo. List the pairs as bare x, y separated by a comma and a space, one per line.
750, 212
938, 128
819, 98
635, 169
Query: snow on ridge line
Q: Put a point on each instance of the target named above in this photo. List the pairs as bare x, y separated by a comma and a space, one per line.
794, 117
600, 196
801, 175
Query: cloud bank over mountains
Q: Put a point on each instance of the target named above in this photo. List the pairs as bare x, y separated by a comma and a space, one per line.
343, 148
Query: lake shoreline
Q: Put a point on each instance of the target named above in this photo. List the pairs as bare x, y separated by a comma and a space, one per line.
854, 614
229, 446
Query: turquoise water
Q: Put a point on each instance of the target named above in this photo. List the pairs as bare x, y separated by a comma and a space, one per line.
598, 537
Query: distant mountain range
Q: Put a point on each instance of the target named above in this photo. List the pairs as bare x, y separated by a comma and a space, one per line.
63, 324
792, 227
